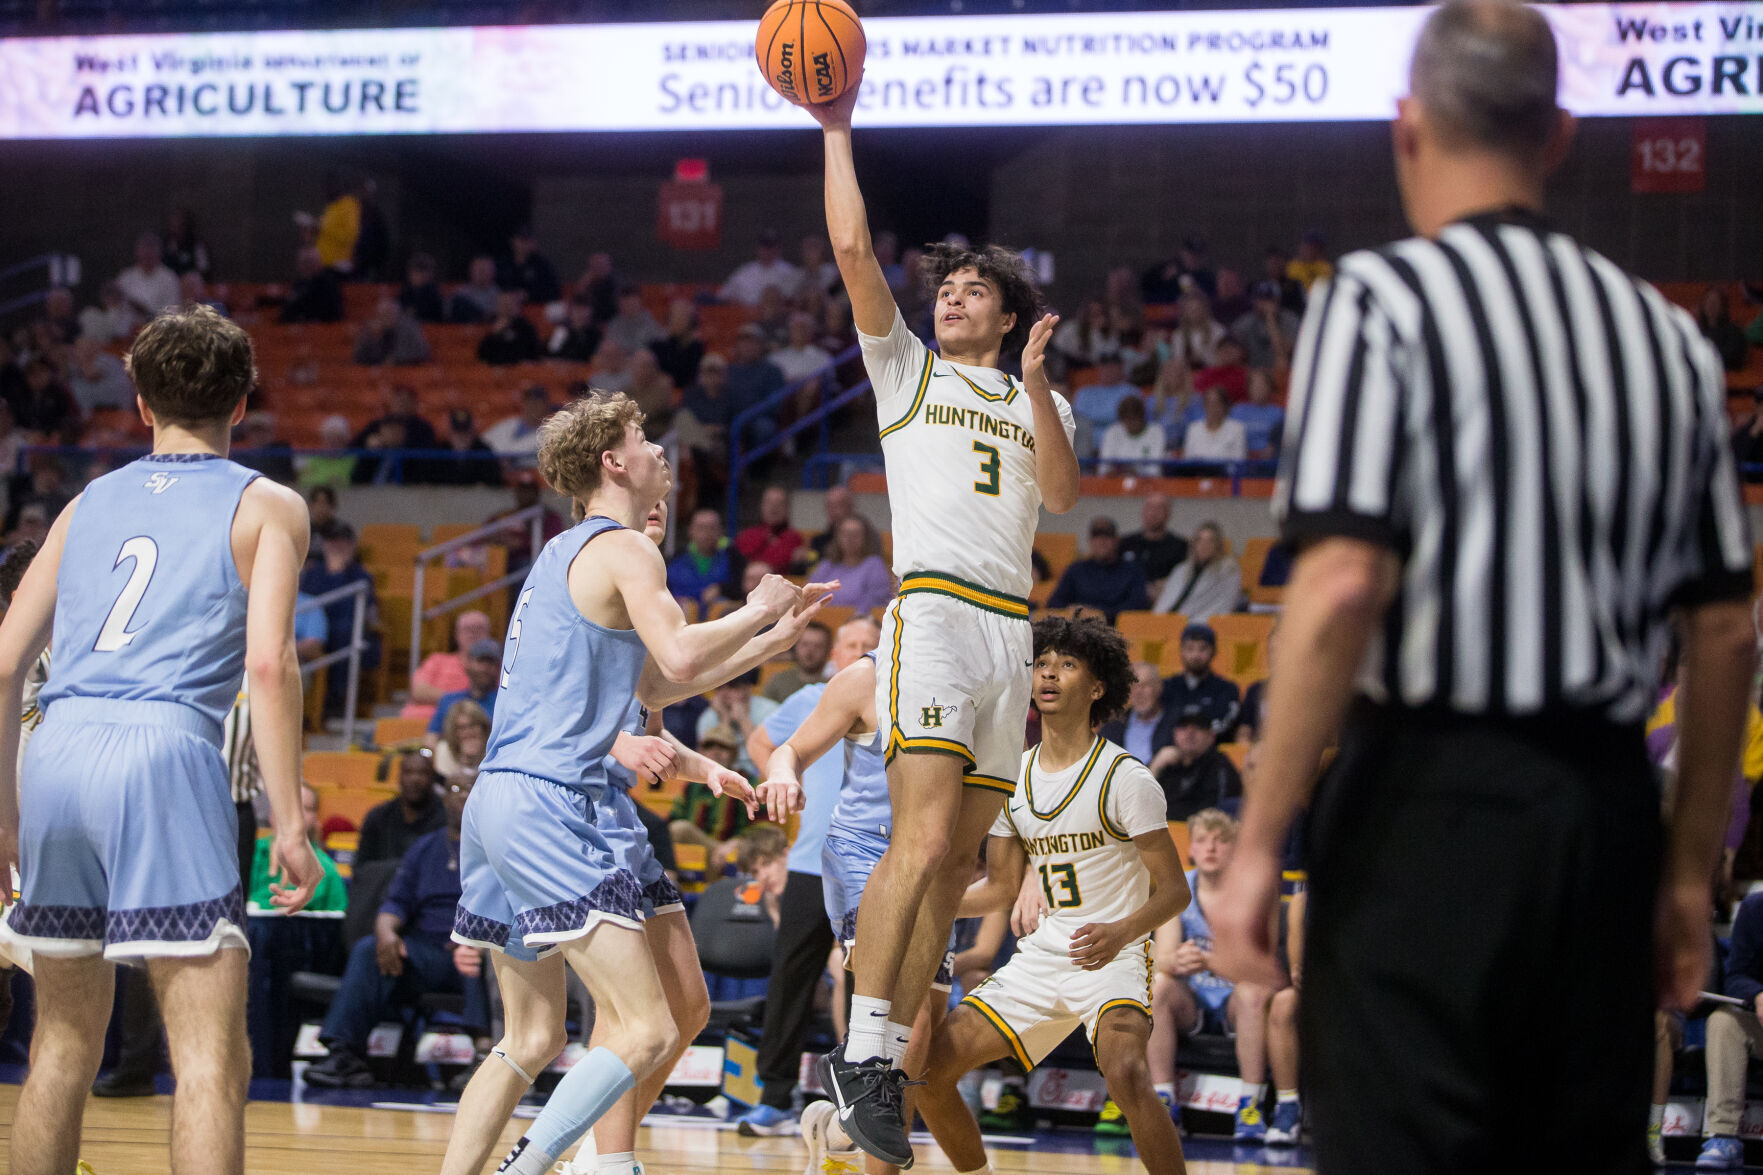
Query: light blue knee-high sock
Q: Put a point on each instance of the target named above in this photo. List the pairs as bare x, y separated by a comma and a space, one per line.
586, 1092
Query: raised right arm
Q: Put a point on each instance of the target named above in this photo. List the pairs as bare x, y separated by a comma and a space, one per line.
847, 221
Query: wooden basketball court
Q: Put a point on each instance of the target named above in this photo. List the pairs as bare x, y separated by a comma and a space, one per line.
283, 1138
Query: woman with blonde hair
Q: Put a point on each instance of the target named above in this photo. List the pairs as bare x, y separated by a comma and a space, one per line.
1207, 583
465, 735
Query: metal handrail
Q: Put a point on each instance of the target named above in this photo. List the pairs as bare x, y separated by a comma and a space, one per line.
352, 651
533, 515
821, 415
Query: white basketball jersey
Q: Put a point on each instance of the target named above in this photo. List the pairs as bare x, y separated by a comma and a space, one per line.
959, 443
1077, 826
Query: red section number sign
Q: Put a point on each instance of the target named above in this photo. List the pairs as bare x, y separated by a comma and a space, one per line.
1670, 155
691, 215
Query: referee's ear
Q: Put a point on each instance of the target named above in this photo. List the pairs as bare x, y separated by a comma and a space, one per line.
1560, 141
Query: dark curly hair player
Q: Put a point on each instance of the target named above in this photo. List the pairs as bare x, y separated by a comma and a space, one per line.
1102, 651
972, 455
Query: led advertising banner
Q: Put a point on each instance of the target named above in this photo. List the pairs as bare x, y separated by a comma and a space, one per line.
1301, 65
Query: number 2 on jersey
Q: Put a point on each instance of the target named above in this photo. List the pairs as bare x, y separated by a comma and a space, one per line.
990, 467
1063, 878
514, 635
115, 634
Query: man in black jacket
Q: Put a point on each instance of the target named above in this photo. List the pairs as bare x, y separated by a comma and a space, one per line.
1197, 685
1194, 773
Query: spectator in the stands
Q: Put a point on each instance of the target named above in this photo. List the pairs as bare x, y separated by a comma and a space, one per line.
339, 224
315, 295
1086, 338
1148, 725
747, 284
642, 379
865, 583
373, 243
681, 348
701, 817
633, 327
1229, 372
808, 663
772, 539
526, 269
58, 315
483, 666
818, 270
476, 300
1187, 270
333, 466
389, 829
736, 707
45, 487
193, 288
1207, 582
1232, 300
421, 292
1174, 403
409, 955
516, 538
258, 447
1269, 331
444, 673
599, 284
576, 338
1714, 316
773, 317
518, 435
1312, 263
181, 249
401, 414
1263, 420
1193, 772
609, 363
1273, 268
463, 459
1198, 686
1215, 436
1103, 581
709, 569
340, 566
1196, 335
1099, 402
111, 319
465, 737
311, 630
511, 337
1132, 445
31, 525
96, 379
321, 511
1155, 546
838, 333
147, 285
1735, 1036
391, 335
800, 356
840, 503
42, 407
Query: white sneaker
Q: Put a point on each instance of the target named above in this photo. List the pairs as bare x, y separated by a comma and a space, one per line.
588, 1166
822, 1159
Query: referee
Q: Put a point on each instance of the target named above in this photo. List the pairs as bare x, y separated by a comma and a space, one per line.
1508, 477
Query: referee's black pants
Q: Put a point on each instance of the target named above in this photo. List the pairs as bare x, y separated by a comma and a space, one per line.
798, 958
1478, 990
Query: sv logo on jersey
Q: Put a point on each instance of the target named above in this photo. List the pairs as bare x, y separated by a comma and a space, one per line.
159, 483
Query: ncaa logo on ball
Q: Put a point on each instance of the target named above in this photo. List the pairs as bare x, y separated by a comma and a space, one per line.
823, 76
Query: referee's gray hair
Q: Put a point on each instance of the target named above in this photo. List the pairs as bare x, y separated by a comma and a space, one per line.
1487, 71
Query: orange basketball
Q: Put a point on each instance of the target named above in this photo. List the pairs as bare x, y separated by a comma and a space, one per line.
810, 50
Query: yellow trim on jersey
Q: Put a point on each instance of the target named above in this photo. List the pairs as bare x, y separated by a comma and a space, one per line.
917, 399
1009, 390
989, 783
1004, 1030
948, 746
1102, 800
943, 584
1136, 1005
1028, 782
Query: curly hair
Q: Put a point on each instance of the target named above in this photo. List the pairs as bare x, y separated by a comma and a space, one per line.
1102, 650
192, 366
13, 565
575, 438
1001, 267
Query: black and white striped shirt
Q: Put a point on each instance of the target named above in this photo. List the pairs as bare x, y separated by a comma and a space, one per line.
1542, 439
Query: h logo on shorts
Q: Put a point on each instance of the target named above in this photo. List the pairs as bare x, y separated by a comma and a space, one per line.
931, 717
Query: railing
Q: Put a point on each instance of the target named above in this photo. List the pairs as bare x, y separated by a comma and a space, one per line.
534, 516
350, 652
60, 269
741, 457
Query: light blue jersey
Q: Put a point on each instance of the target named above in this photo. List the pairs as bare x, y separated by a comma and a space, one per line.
864, 808
1211, 989
148, 604
566, 681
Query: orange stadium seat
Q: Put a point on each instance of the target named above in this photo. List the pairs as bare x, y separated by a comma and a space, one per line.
1242, 645
1058, 549
388, 731
351, 803
1253, 559
1156, 635
349, 769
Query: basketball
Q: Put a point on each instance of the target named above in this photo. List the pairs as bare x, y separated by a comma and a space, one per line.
810, 50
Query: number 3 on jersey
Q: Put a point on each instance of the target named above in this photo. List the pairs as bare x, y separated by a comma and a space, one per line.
115, 634
991, 467
514, 636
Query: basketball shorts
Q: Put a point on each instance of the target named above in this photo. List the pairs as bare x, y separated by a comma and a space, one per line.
952, 674
1038, 997
615, 812
846, 861
128, 836
1211, 1004
535, 870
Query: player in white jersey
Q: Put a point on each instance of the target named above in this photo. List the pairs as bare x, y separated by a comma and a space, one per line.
972, 455
1089, 820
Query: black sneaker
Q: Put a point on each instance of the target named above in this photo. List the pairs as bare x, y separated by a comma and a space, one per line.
118, 1083
341, 1069
867, 1097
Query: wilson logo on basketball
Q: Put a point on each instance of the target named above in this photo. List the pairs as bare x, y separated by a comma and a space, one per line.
785, 78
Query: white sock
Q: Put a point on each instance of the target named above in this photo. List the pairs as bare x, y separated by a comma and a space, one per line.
624, 1163
1287, 1095
1165, 1090
868, 1035
1253, 1093
1655, 1115
894, 1043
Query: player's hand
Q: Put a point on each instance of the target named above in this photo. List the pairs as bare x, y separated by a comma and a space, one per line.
786, 631
651, 758
1243, 920
1096, 944
1034, 355
292, 860
775, 596
734, 785
1030, 908
781, 798
468, 961
1683, 945
814, 593
836, 115
390, 952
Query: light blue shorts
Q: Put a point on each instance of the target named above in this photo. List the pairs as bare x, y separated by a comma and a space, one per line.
128, 836
535, 870
615, 813
846, 861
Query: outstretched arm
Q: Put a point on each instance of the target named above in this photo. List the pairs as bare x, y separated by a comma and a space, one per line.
1005, 861
847, 221
1056, 468
840, 710
658, 692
